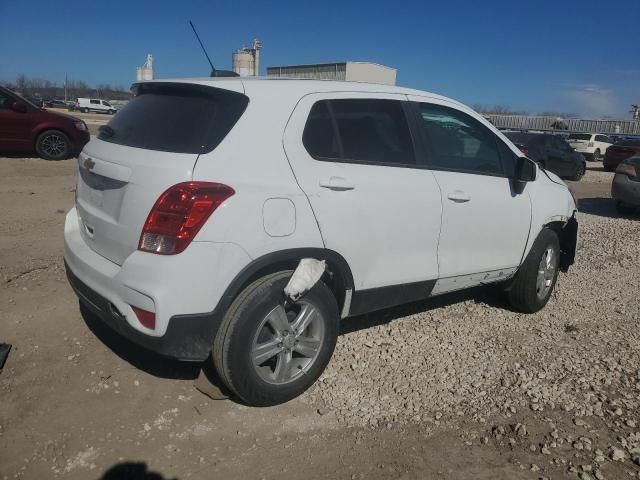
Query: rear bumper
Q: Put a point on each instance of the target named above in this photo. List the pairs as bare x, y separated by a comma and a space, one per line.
188, 337
625, 190
177, 288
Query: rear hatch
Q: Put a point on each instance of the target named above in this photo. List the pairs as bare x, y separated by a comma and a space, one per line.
151, 144
577, 140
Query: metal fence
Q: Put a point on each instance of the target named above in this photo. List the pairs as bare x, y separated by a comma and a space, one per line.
525, 122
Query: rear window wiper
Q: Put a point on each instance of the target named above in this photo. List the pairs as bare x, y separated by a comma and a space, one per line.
106, 131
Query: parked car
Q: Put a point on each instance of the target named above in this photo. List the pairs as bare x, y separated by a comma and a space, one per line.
552, 152
94, 105
26, 128
184, 234
56, 103
36, 101
592, 145
625, 189
619, 152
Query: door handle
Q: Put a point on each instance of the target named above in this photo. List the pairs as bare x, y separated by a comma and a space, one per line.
337, 183
459, 196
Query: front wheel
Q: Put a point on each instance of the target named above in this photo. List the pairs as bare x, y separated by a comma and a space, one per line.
112, 112
268, 352
580, 171
537, 276
53, 145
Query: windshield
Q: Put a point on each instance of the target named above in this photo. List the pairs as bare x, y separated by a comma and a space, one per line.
176, 118
580, 136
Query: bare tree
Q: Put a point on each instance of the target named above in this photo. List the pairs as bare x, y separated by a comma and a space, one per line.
37, 87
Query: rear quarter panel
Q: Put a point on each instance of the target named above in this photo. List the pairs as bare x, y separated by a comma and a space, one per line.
252, 160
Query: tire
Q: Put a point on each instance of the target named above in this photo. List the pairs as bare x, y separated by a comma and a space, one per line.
596, 155
112, 112
580, 171
624, 209
53, 145
250, 322
85, 110
526, 294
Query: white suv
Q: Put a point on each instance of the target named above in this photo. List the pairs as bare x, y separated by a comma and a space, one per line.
592, 145
201, 197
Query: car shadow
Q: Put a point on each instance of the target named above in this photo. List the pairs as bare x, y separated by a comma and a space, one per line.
603, 207
137, 356
486, 295
132, 471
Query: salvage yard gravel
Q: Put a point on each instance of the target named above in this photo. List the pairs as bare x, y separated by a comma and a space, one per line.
468, 355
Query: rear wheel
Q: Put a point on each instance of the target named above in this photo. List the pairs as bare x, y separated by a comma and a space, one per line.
85, 110
53, 145
537, 276
268, 352
596, 155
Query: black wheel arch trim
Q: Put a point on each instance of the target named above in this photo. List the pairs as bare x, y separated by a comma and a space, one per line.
568, 236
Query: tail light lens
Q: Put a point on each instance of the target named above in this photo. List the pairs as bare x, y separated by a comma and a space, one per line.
627, 169
590, 144
524, 150
178, 215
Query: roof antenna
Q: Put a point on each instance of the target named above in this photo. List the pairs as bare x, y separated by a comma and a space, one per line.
214, 72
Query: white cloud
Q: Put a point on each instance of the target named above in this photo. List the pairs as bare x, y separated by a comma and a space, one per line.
592, 100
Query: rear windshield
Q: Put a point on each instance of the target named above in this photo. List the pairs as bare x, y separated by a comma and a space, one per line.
175, 118
580, 136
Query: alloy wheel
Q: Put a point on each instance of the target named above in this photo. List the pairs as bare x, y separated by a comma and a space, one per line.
546, 272
287, 342
54, 145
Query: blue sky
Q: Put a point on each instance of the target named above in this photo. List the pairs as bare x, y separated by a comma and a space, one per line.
577, 56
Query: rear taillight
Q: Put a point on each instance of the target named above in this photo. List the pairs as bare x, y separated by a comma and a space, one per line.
590, 144
524, 150
627, 169
178, 215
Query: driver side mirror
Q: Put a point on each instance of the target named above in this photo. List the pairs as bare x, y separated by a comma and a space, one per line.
19, 107
525, 170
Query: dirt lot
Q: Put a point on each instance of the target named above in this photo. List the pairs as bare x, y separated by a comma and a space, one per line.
458, 387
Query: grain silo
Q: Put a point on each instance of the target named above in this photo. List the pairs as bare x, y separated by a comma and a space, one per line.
145, 72
246, 61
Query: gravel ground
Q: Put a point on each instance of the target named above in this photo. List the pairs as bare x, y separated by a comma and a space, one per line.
475, 357
457, 387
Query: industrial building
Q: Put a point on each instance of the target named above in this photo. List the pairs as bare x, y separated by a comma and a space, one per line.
145, 72
246, 61
350, 71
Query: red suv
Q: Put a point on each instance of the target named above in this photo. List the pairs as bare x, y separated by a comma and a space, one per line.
27, 128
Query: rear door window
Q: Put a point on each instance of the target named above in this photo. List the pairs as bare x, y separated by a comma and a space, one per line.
359, 131
320, 137
176, 118
456, 141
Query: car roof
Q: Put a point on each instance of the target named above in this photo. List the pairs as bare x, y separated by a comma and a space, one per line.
297, 86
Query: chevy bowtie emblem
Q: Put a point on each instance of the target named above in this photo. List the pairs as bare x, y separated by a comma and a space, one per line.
89, 164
